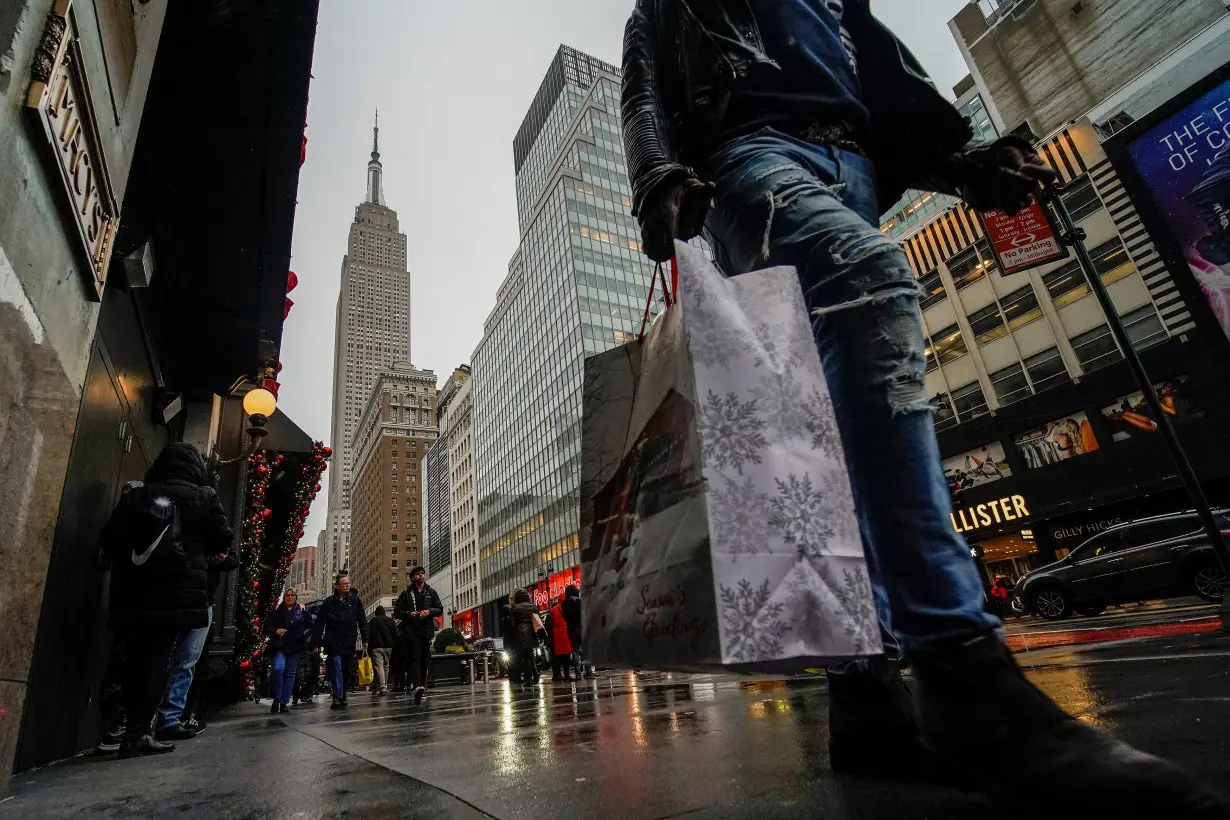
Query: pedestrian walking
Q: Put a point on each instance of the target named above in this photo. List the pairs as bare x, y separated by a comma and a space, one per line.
782, 128
527, 631
340, 626
156, 541
558, 642
417, 607
287, 628
382, 637
572, 617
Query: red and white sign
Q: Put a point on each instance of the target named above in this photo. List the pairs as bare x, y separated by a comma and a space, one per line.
1024, 241
546, 593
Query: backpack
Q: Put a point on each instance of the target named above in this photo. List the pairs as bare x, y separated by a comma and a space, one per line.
145, 535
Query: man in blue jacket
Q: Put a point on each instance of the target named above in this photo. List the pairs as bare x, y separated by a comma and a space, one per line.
781, 129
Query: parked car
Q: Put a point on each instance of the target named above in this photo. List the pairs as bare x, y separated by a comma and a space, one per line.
1161, 556
497, 657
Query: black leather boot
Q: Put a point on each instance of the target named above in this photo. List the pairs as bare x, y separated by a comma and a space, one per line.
871, 720
990, 728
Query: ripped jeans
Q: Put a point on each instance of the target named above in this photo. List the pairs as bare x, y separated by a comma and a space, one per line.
782, 201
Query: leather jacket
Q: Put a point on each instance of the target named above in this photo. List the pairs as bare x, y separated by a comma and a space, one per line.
682, 57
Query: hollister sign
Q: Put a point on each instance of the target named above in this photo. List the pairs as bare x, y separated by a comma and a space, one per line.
60, 98
996, 511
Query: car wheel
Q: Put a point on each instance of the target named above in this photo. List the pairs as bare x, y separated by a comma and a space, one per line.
1209, 581
1089, 610
1051, 603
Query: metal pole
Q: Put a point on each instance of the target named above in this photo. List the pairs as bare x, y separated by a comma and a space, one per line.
1074, 237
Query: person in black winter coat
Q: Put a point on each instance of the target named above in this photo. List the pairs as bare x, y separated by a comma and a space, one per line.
417, 608
523, 640
338, 626
382, 637
572, 616
157, 542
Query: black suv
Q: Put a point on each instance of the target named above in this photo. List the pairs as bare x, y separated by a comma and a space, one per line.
1148, 558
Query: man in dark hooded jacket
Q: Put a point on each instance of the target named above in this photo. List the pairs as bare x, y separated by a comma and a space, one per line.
338, 626
157, 541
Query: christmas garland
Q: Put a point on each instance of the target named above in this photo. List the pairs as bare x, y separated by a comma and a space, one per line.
259, 583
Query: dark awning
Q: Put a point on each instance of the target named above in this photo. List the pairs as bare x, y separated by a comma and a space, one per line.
214, 183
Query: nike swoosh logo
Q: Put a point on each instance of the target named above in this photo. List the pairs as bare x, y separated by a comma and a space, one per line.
141, 558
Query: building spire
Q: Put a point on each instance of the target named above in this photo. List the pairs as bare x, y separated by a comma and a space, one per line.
375, 171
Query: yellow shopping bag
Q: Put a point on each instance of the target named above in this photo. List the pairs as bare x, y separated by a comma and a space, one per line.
365, 671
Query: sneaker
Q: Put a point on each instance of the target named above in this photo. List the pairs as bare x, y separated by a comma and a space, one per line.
283, 708
144, 745
419, 692
337, 704
276, 708
174, 731
871, 720
109, 742
980, 717
195, 726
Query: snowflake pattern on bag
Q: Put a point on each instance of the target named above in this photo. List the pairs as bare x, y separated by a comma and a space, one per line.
740, 516
713, 344
785, 406
733, 431
755, 627
822, 424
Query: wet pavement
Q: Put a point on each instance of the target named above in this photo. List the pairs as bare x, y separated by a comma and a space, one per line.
622, 746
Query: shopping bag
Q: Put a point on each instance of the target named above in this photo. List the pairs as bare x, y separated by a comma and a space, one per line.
717, 524
366, 673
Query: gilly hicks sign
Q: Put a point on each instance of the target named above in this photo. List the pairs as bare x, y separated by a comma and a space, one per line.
998, 511
60, 98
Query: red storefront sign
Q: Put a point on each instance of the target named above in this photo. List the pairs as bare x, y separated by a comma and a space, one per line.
546, 593
469, 623
1024, 241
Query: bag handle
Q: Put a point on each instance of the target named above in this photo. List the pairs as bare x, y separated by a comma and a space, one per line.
669, 289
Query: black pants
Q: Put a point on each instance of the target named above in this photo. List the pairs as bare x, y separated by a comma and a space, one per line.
144, 676
526, 665
418, 653
561, 667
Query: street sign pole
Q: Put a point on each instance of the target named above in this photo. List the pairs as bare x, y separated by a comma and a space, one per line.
1074, 237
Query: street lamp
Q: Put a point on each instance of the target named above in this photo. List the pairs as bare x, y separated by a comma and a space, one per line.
259, 404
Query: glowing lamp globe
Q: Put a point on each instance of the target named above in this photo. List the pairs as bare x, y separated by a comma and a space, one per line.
259, 402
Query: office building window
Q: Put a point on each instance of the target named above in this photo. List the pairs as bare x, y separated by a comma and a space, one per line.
1095, 348
987, 324
969, 401
1067, 283
945, 417
948, 345
971, 264
1081, 199
933, 289
1046, 369
1010, 384
1020, 307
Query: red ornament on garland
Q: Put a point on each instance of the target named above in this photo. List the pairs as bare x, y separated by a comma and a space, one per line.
324, 467
317, 488
266, 512
328, 451
256, 585
262, 470
245, 664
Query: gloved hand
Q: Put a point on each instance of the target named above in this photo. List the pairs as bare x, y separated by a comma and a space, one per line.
675, 209
1002, 175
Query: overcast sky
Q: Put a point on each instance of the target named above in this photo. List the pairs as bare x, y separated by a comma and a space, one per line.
453, 81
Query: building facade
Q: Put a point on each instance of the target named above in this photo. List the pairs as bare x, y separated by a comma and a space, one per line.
372, 331
114, 254
392, 438
576, 286
1034, 402
302, 575
437, 553
1047, 62
463, 502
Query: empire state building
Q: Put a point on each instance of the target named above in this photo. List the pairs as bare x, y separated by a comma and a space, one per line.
372, 332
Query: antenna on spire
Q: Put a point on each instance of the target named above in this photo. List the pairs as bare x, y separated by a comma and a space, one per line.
376, 137
374, 169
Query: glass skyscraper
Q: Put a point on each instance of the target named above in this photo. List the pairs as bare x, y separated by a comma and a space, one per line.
576, 286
